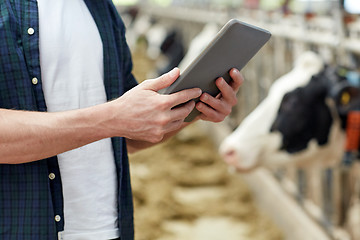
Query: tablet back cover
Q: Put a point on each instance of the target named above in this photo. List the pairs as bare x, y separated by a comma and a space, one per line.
233, 47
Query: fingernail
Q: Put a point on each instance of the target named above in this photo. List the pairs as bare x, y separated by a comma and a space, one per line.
222, 81
173, 73
235, 70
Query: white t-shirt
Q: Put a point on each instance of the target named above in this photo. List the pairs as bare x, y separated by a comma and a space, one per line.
71, 58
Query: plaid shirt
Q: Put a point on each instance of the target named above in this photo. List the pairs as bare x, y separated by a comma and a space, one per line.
31, 201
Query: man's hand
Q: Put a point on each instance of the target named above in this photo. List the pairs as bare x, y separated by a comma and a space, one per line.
215, 109
143, 114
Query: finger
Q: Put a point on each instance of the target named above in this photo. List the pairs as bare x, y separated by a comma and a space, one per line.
181, 112
163, 81
217, 104
175, 117
209, 113
183, 96
237, 79
175, 125
227, 92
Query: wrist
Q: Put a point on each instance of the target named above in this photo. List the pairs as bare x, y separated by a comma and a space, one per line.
106, 120
99, 120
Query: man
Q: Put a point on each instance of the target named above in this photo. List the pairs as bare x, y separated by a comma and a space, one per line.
68, 101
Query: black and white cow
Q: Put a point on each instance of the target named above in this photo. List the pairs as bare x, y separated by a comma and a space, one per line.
165, 45
172, 47
302, 118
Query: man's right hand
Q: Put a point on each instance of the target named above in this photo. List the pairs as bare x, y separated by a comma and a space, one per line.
144, 114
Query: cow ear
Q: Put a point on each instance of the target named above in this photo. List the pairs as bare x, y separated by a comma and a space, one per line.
346, 97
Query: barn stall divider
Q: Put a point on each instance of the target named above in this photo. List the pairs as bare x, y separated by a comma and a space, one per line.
313, 200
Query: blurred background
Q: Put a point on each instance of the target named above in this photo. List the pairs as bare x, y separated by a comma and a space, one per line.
183, 189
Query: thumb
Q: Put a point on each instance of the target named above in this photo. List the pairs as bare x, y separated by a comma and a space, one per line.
164, 80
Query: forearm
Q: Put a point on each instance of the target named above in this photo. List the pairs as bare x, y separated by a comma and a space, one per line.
30, 136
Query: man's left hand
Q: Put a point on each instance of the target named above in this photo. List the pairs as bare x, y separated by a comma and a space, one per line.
216, 109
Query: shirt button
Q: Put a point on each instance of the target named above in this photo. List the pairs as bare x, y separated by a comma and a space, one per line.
52, 176
34, 81
31, 31
57, 218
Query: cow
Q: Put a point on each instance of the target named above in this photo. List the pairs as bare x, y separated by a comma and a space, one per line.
172, 47
164, 45
303, 118
167, 41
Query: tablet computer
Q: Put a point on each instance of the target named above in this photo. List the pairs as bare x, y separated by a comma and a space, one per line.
233, 47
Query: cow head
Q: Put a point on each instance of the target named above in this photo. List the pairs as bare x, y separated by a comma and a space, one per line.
302, 119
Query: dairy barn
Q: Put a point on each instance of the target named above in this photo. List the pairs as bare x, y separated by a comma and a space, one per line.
285, 163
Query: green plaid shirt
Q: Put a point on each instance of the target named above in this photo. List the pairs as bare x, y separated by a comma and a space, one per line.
31, 202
